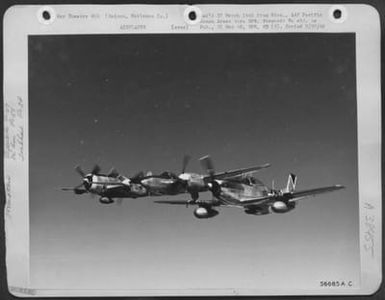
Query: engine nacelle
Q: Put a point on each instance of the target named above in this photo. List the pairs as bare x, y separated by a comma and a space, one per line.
106, 200
282, 207
205, 213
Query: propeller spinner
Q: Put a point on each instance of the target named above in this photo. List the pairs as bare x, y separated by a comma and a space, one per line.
86, 180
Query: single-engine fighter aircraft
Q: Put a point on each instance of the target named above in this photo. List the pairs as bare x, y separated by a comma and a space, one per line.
109, 186
249, 194
169, 183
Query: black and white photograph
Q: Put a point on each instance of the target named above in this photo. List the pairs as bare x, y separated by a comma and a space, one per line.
139, 104
197, 162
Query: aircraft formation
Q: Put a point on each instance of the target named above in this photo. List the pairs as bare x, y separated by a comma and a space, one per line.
234, 188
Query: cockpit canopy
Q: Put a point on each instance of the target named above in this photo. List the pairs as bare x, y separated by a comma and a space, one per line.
249, 180
168, 175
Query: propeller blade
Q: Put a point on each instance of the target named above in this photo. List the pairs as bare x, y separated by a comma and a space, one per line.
76, 190
80, 191
186, 160
137, 177
79, 186
208, 165
139, 174
113, 173
96, 170
79, 170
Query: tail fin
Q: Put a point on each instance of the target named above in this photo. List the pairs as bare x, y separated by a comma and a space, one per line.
291, 182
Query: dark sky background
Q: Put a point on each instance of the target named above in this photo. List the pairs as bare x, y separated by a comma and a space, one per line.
140, 102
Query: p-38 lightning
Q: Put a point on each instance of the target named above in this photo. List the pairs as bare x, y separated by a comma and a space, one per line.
108, 186
247, 193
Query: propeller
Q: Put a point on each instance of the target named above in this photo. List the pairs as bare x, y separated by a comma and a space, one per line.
79, 170
182, 179
208, 165
96, 170
186, 160
83, 187
113, 173
137, 177
77, 189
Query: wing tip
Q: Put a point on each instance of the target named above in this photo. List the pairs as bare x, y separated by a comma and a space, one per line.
340, 186
204, 157
173, 202
169, 202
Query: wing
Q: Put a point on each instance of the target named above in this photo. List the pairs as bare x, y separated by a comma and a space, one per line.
174, 202
258, 200
294, 196
234, 173
112, 188
212, 202
106, 183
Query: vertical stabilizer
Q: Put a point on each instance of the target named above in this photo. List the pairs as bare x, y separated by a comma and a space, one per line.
291, 182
